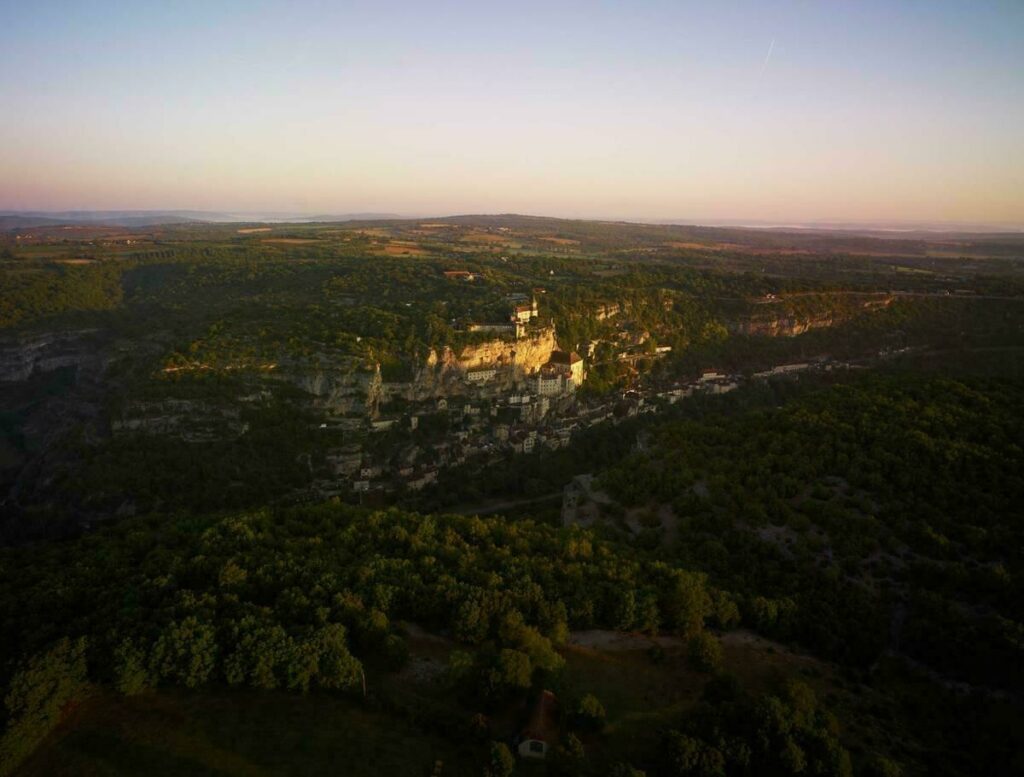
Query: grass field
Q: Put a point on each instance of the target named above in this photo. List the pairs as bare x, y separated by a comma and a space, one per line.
243, 734
254, 734
485, 237
399, 248
645, 691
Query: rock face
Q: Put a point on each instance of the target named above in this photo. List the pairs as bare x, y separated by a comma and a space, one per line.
190, 421
525, 355
341, 392
784, 326
22, 356
349, 389
51, 383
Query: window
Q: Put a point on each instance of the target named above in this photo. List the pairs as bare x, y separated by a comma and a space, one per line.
536, 746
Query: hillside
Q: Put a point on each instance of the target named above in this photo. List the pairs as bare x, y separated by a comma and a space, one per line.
857, 559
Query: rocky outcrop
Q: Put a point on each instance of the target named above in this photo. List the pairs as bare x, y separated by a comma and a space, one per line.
351, 389
777, 319
51, 384
784, 326
340, 391
444, 372
21, 356
525, 355
188, 420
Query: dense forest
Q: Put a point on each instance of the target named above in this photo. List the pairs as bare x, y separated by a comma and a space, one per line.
31, 293
881, 514
296, 598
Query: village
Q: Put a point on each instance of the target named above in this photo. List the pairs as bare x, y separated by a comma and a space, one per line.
510, 385
497, 403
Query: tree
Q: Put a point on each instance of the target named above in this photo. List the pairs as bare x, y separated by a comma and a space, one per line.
704, 652
685, 756
39, 692
502, 763
460, 667
186, 652
510, 671
259, 654
686, 602
726, 614
568, 758
131, 673
337, 668
472, 621
301, 664
590, 713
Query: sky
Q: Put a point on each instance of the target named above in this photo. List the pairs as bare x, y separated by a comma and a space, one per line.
786, 112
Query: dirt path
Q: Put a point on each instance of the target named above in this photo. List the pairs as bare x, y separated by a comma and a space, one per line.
613, 641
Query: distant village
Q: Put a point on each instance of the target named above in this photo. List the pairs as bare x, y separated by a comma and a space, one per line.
502, 404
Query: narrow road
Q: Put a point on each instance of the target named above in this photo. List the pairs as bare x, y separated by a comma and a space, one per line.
497, 506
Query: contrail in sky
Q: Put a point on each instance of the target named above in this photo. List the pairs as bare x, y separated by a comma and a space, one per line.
768, 56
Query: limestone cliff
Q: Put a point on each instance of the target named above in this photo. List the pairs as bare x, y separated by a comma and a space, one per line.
188, 420
782, 326
342, 390
22, 355
350, 389
443, 372
782, 323
526, 355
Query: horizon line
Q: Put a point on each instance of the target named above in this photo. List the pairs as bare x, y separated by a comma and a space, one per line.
229, 216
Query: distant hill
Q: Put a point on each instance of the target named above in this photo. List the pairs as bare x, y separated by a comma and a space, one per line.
835, 225
353, 217
619, 235
112, 218
864, 239
12, 219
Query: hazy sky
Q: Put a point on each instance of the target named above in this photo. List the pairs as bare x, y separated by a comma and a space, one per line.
863, 110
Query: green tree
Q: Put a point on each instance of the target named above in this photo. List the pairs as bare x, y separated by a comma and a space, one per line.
38, 693
259, 654
568, 759
510, 671
685, 602
686, 756
337, 668
502, 763
704, 652
186, 652
131, 668
590, 713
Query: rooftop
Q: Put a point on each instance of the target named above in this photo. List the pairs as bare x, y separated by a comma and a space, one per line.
565, 357
543, 721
